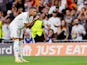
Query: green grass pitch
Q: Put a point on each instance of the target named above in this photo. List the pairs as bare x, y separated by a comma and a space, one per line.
46, 60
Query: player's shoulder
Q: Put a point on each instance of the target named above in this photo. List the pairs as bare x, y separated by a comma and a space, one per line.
24, 13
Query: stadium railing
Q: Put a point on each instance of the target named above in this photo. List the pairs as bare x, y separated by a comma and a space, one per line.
54, 41
71, 41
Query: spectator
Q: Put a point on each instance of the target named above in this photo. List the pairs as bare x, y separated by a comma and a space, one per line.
50, 36
27, 4
63, 31
14, 11
4, 17
62, 5
5, 28
53, 7
42, 15
85, 5
19, 3
77, 30
71, 4
45, 2
59, 14
46, 10
82, 16
54, 21
74, 14
20, 10
27, 36
80, 4
3, 5
41, 7
68, 17
9, 4
68, 20
47, 24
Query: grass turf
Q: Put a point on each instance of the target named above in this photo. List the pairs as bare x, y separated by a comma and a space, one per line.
46, 60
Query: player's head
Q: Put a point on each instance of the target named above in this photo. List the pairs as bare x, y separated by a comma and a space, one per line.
32, 11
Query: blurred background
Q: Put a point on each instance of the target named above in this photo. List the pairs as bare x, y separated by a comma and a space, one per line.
63, 20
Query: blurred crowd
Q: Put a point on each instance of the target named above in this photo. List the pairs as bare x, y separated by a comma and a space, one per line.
62, 19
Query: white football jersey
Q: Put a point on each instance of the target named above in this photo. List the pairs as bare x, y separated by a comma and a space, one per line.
21, 19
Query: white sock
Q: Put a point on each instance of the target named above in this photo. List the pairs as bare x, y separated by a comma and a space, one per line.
16, 49
21, 49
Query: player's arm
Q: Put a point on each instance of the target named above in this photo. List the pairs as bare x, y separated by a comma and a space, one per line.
30, 24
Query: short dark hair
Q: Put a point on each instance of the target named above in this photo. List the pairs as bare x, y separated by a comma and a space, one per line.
54, 11
32, 7
47, 16
51, 30
57, 6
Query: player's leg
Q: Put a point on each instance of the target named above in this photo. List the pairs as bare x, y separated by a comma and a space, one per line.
16, 48
14, 36
21, 49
